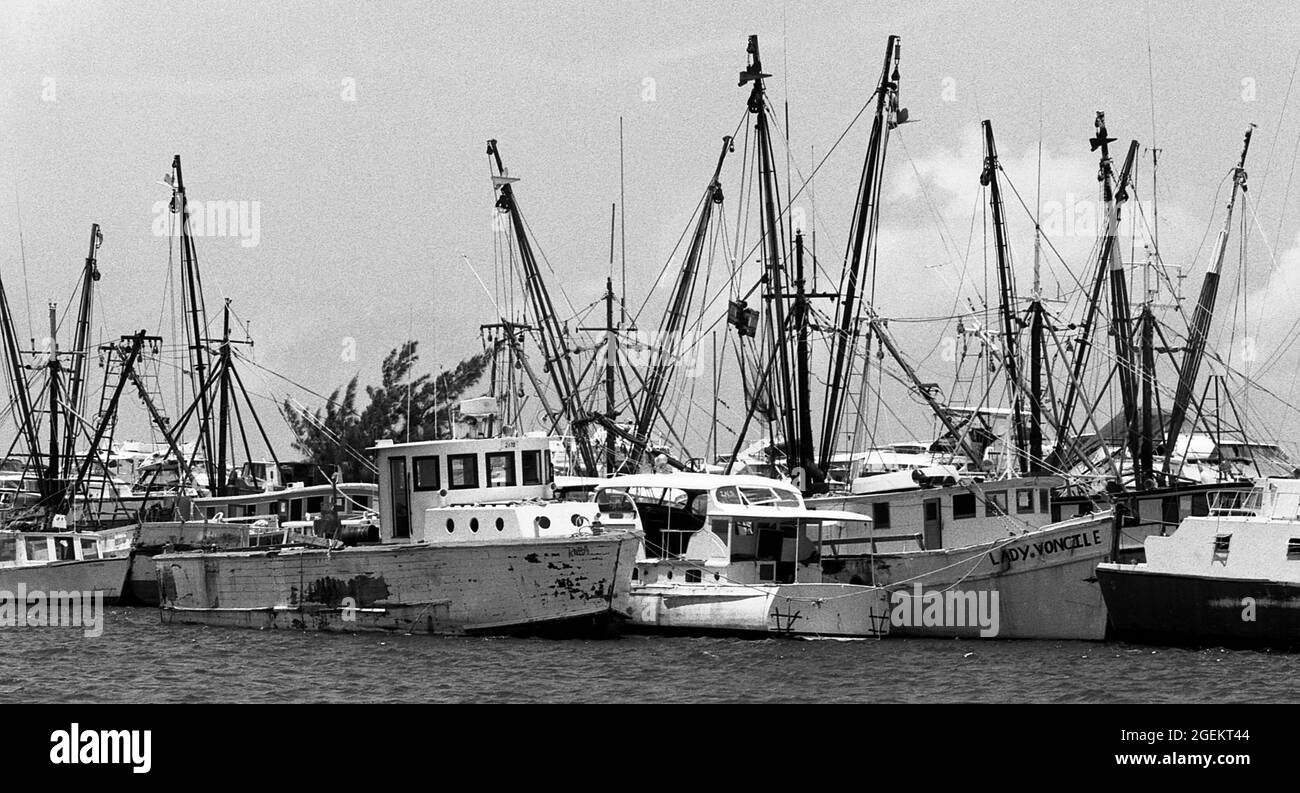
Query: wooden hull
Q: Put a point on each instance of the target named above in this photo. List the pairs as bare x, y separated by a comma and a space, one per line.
1045, 582
145, 540
91, 575
1166, 608
831, 610
452, 588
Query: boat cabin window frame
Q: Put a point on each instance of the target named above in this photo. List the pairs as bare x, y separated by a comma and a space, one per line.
1024, 500
38, 543
8, 549
1044, 500
532, 467
1222, 544
1292, 549
995, 504
964, 506
880, 517
89, 547
471, 483
418, 469
510, 468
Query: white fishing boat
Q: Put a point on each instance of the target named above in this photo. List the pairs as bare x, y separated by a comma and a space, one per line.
471, 542
59, 561
1231, 577
735, 554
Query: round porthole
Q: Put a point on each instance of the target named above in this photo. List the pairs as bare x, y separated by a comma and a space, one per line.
577, 520
717, 577
501, 524
670, 575
451, 525
544, 522
473, 524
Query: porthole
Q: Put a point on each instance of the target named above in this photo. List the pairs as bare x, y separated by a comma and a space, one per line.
501, 524
577, 520
717, 577
544, 522
473, 524
451, 525
670, 575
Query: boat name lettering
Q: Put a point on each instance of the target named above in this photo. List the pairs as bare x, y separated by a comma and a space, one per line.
1020, 553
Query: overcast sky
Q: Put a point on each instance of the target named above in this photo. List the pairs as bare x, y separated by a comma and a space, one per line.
357, 131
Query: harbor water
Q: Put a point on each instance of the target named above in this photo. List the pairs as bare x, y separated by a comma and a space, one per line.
137, 659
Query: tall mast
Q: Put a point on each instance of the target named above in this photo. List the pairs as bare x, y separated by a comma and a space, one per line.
52, 492
558, 361
673, 325
611, 361
1007, 292
1064, 427
861, 242
81, 350
1200, 328
1121, 327
774, 244
803, 396
195, 328
219, 487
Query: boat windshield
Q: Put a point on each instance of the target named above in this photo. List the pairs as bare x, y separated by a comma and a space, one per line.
754, 496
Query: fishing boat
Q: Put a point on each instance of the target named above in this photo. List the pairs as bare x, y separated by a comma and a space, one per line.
471, 542
59, 561
735, 554
1231, 577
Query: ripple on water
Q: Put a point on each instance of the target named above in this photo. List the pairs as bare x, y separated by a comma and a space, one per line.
137, 659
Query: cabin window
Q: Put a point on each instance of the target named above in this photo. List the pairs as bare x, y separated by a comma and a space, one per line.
636, 574
295, 509
720, 528
1044, 500
880, 514
64, 550
473, 525
38, 549
1024, 501
1292, 550
451, 525
314, 504
8, 549
693, 576
727, 495
767, 572
501, 469
995, 503
362, 501
212, 512
963, 505
1221, 544
532, 467
1200, 505
462, 471
501, 524
89, 548
427, 474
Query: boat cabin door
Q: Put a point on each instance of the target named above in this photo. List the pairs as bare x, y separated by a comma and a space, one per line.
933, 524
399, 498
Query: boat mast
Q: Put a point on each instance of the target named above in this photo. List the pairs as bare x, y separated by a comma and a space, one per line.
192, 287
1007, 292
52, 491
1121, 326
1064, 428
557, 358
80, 351
771, 230
673, 325
803, 395
1195, 349
866, 213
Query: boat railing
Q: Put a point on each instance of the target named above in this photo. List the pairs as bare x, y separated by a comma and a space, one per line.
1236, 503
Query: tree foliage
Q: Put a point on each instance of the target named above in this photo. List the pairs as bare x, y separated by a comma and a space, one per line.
402, 407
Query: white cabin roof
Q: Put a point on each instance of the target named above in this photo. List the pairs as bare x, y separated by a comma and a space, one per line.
682, 480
